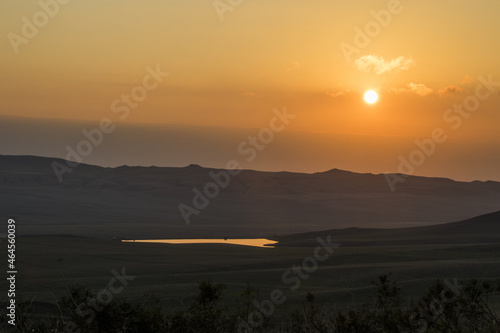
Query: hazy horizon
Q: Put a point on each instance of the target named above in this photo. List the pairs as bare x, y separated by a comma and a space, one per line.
209, 85
213, 147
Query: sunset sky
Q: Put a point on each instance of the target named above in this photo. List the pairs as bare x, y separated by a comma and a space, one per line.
230, 66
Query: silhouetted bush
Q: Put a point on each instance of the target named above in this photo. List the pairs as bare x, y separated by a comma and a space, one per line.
446, 307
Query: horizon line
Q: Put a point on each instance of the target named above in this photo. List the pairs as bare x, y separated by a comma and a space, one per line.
252, 170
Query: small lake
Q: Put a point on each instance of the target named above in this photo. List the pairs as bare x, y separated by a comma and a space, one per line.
256, 242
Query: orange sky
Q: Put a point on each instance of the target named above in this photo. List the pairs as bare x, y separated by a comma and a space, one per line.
424, 58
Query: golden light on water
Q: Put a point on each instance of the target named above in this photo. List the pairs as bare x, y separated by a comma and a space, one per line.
258, 242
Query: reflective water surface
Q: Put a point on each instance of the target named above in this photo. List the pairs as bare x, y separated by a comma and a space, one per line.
257, 242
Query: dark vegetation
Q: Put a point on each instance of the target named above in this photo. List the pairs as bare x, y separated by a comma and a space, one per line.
448, 306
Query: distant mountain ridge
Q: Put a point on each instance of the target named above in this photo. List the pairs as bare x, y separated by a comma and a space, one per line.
133, 202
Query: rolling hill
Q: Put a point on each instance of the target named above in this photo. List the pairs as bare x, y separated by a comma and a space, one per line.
482, 229
143, 202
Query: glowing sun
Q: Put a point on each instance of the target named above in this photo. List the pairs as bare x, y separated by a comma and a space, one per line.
371, 96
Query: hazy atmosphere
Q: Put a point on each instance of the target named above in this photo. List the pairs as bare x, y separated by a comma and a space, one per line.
222, 69
242, 166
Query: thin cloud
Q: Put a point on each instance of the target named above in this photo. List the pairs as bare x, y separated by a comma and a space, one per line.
293, 65
420, 89
338, 91
336, 94
415, 88
467, 80
249, 94
456, 89
371, 63
450, 90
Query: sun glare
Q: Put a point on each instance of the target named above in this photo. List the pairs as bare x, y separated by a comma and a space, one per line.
371, 96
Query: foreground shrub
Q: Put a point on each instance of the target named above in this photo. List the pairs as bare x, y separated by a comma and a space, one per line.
446, 307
